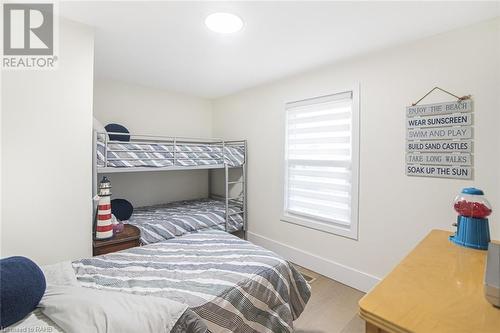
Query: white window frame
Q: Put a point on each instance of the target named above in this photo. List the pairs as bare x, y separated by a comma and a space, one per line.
350, 231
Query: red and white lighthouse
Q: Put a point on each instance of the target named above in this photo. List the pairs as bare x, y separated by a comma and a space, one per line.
104, 224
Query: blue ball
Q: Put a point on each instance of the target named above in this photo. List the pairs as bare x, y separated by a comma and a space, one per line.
22, 285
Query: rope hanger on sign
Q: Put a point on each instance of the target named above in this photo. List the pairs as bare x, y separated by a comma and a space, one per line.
463, 98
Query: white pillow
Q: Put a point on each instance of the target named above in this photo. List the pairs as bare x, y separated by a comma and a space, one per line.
61, 274
78, 309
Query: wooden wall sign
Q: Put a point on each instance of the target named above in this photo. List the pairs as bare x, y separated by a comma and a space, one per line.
439, 140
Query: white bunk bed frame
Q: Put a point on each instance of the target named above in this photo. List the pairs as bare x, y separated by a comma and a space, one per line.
175, 142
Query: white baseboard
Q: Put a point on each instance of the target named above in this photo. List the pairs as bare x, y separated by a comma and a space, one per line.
336, 271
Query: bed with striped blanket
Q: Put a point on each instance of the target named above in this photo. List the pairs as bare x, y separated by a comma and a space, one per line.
233, 285
156, 155
166, 221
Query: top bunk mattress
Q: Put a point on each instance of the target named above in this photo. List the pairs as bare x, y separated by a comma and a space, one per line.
159, 155
161, 222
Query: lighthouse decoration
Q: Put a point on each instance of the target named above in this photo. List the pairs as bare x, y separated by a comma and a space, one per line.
104, 223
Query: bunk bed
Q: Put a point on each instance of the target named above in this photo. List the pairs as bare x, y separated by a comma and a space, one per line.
125, 152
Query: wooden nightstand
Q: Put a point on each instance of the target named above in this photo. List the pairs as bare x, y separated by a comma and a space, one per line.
126, 239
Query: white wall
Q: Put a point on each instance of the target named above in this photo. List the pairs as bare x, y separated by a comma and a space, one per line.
145, 110
395, 211
46, 154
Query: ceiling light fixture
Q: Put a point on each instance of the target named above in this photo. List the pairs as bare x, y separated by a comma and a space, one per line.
224, 23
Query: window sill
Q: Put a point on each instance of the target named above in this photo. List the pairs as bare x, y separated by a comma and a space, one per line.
335, 229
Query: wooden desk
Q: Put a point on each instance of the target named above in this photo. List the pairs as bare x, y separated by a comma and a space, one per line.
437, 288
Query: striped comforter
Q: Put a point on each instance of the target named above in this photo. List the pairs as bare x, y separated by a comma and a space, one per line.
127, 154
166, 221
233, 285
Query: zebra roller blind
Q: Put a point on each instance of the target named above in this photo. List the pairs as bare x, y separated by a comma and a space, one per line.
319, 159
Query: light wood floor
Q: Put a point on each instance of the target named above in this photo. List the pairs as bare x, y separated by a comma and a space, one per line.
332, 308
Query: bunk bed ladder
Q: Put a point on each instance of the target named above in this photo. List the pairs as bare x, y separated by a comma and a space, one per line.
226, 192
242, 197
244, 190
244, 179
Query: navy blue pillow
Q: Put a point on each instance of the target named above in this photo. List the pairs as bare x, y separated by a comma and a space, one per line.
117, 128
22, 285
122, 209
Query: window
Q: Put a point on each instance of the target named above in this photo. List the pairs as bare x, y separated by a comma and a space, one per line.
321, 163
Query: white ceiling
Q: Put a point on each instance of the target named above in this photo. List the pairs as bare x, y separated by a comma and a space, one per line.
166, 44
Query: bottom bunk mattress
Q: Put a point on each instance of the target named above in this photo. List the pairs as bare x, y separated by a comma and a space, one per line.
166, 221
233, 285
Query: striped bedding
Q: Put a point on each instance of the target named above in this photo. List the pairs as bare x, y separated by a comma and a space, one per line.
161, 155
161, 222
233, 285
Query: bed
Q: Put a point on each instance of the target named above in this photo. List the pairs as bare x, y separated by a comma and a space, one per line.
119, 154
233, 285
162, 222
